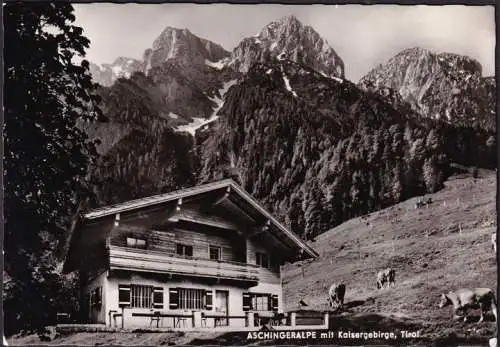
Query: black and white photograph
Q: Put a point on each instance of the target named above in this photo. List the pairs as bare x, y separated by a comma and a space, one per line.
236, 174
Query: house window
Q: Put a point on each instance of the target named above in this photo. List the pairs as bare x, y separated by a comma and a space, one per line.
262, 260
193, 299
184, 250
215, 253
260, 302
141, 296
136, 243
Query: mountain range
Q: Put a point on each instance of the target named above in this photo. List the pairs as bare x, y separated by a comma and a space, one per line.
278, 115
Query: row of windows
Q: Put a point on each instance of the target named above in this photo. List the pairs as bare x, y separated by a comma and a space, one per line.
139, 296
214, 252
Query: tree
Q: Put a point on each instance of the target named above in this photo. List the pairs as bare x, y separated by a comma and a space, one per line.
46, 157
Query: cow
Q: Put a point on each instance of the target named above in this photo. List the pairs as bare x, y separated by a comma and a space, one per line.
386, 276
336, 295
464, 299
494, 241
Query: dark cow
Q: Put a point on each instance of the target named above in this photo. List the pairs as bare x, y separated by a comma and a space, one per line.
336, 295
464, 299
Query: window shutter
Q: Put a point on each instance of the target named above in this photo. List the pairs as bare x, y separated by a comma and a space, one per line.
247, 302
275, 302
157, 297
124, 295
208, 300
98, 297
173, 298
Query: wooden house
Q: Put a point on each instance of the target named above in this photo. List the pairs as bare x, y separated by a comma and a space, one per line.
204, 256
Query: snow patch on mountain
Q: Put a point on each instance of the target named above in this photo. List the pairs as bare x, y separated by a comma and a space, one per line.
340, 80
219, 65
117, 70
287, 85
200, 122
287, 82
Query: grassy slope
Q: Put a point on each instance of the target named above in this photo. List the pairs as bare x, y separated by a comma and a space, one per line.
354, 251
425, 247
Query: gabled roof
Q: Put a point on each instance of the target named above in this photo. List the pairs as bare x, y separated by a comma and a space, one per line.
185, 193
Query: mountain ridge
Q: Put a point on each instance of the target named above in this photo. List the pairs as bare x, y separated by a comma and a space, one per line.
444, 86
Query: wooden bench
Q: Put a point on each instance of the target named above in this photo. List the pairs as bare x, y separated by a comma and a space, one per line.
62, 317
155, 316
219, 320
113, 314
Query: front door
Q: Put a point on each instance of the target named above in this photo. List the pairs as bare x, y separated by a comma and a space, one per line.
221, 306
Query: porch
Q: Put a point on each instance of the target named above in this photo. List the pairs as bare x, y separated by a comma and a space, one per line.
122, 258
199, 321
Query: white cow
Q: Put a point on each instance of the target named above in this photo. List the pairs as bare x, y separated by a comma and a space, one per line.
386, 276
464, 299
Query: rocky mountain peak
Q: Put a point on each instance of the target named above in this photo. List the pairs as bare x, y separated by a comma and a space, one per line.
285, 25
437, 85
288, 37
184, 47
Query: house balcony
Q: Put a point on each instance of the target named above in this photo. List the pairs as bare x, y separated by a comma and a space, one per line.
133, 259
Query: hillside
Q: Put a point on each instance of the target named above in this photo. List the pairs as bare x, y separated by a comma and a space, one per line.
425, 247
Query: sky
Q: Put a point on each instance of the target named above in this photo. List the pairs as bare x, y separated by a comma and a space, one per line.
363, 36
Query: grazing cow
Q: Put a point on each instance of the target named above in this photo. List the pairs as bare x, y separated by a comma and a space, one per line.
386, 276
336, 295
419, 204
494, 241
464, 299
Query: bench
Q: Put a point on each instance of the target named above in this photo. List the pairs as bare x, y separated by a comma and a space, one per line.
221, 320
62, 317
113, 314
156, 316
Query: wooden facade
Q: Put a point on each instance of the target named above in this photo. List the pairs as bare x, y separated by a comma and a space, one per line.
203, 252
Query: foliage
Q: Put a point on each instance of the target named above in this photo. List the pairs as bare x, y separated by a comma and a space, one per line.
46, 155
148, 157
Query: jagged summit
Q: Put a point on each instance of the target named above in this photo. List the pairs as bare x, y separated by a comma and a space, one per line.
288, 37
445, 86
184, 47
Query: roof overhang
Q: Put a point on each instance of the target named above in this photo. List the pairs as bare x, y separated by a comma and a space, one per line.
227, 187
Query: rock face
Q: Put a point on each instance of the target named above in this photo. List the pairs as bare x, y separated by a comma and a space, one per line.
288, 38
183, 47
441, 86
